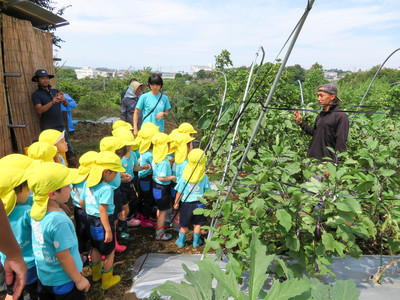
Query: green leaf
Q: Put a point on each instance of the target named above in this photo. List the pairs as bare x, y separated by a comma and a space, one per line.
179, 291
387, 172
201, 280
364, 186
284, 219
319, 291
348, 205
259, 263
287, 289
211, 193
293, 243
345, 290
228, 281
328, 241
258, 207
292, 168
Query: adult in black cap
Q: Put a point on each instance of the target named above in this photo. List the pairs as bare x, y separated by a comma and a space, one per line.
331, 127
47, 102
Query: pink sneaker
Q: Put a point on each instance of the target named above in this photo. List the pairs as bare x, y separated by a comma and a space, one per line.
133, 222
147, 223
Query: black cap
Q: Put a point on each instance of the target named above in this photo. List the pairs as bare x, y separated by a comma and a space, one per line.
41, 73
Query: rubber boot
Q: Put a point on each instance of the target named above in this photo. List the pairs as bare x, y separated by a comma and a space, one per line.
196, 240
181, 240
161, 235
118, 248
109, 280
96, 271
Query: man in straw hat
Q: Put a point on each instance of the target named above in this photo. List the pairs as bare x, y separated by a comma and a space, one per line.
47, 102
131, 98
331, 127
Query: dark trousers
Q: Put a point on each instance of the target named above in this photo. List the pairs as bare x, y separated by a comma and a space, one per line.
146, 195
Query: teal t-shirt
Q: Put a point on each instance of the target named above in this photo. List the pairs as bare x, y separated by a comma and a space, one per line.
54, 233
129, 163
196, 189
101, 193
146, 158
62, 160
116, 183
162, 169
30, 200
20, 222
76, 192
147, 102
179, 170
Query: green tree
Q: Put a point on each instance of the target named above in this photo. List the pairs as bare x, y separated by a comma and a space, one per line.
65, 73
298, 73
223, 60
178, 75
201, 74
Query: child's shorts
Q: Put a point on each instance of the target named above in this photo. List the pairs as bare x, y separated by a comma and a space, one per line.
162, 196
173, 191
66, 291
128, 193
117, 202
97, 235
187, 217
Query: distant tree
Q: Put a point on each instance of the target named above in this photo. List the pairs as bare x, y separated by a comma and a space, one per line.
317, 66
65, 73
201, 74
187, 77
298, 73
178, 75
223, 60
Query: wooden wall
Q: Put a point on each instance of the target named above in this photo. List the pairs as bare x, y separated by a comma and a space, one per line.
26, 49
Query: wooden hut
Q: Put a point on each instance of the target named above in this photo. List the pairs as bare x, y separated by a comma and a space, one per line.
26, 45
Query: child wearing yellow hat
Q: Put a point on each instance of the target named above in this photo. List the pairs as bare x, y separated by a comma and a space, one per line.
14, 192
54, 241
187, 128
56, 138
118, 146
99, 204
193, 184
128, 192
146, 176
86, 161
162, 177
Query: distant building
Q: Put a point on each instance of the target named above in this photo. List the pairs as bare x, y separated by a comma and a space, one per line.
197, 68
331, 76
89, 72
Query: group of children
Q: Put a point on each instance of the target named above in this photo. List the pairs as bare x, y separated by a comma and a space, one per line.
127, 183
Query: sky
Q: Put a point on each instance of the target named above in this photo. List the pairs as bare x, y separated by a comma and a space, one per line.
174, 35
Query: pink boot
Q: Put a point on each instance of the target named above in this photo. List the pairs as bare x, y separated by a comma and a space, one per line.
118, 248
145, 222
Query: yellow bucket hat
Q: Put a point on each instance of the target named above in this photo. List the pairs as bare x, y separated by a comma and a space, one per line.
172, 146
42, 151
18, 161
180, 141
127, 136
10, 178
111, 143
150, 125
44, 178
186, 128
51, 136
146, 133
106, 160
119, 123
86, 163
160, 146
193, 170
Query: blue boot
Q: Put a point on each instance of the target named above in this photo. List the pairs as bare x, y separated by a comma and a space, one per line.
196, 240
181, 240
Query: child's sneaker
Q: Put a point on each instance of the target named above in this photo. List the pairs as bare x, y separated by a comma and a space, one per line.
134, 222
146, 222
126, 236
161, 235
